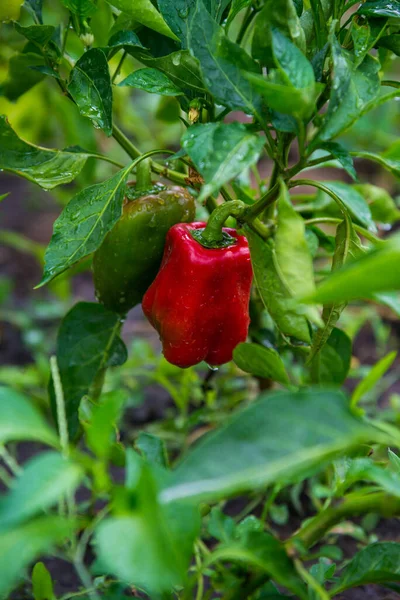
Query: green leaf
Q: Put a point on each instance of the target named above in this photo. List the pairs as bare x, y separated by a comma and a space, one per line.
382, 206
347, 248
90, 87
220, 152
21, 77
150, 546
261, 362
342, 155
392, 42
273, 292
87, 342
364, 469
236, 7
127, 40
35, 8
20, 420
222, 63
178, 14
23, 544
261, 551
352, 91
291, 61
391, 165
376, 373
282, 16
182, 69
254, 449
390, 299
145, 13
285, 99
40, 35
153, 81
101, 429
42, 584
152, 448
47, 168
82, 8
354, 202
331, 364
377, 563
292, 253
84, 223
380, 8
375, 271
43, 481
365, 35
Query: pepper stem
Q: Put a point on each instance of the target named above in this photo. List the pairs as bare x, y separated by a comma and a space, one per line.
143, 175
213, 230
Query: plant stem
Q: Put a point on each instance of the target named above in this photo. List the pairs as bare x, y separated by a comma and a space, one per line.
333, 221
213, 231
10, 461
121, 62
84, 576
60, 404
350, 506
258, 207
134, 152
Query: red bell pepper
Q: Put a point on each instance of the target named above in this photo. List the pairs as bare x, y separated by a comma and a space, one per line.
199, 301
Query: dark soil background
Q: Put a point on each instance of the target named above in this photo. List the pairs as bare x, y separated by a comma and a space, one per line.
31, 212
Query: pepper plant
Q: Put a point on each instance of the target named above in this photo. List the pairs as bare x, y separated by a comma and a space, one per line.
265, 93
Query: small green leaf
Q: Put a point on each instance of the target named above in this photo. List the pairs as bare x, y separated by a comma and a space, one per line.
272, 289
276, 439
88, 340
377, 563
153, 81
90, 87
100, 431
47, 168
23, 544
84, 223
261, 362
236, 7
43, 481
40, 35
42, 584
375, 375
144, 12
220, 152
20, 420
178, 14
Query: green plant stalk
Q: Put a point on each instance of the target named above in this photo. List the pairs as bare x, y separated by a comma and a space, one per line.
213, 231
350, 506
119, 66
333, 221
134, 152
60, 405
258, 207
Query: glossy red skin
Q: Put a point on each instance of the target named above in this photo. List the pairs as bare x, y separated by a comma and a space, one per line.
199, 301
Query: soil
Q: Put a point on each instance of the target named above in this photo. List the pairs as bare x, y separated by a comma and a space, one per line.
31, 213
